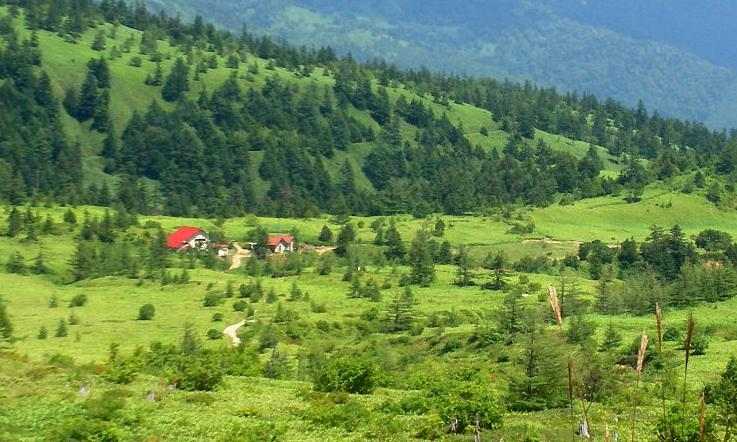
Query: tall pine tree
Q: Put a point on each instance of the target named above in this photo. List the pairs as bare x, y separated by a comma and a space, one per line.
177, 83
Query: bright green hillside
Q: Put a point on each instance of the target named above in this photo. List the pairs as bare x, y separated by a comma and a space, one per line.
66, 64
258, 406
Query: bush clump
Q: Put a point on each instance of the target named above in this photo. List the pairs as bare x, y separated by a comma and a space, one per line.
212, 299
346, 374
146, 312
78, 300
240, 306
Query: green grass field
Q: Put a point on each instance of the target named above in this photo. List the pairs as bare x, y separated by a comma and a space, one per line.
255, 404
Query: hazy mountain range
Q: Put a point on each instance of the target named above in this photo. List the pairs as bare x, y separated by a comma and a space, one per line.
679, 56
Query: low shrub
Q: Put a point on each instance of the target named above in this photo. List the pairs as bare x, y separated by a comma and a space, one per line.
146, 312
672, 334
212, 299
78, 300
347, 374
240, 306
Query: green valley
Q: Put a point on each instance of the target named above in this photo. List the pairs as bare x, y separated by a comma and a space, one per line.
211, 236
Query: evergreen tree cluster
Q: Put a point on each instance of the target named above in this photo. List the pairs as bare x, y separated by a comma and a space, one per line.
200, 151
667, 269
35, 157
215, 175
29, 225
92, 102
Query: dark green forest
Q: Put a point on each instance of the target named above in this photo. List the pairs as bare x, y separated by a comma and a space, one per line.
200, 151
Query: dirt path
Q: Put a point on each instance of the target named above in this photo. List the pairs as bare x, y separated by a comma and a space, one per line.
323, 250
550, 241
239, 256
320, 250
232, 333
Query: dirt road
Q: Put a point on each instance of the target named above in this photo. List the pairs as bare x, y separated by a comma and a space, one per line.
232, 333
238, 257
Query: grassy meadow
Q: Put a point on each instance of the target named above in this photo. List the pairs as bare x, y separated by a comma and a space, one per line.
249, 408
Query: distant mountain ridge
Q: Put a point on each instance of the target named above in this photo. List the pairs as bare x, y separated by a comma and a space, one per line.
658, 51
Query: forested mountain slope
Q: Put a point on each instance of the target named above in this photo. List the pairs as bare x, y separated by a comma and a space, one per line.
664, 55
183, 119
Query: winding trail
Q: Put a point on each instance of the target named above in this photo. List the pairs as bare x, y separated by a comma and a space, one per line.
232, 330
232, 333
239, 256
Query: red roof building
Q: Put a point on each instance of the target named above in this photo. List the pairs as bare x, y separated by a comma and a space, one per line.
187, 237
281, 243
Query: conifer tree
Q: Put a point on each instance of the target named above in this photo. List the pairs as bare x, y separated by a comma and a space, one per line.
48, 226
233, 61
84, 261
326, 235
723, 396
346, 238
400, 313
271, 297
496, 264
190, 343
439, 229
39, 265
157, 255
16, 264
69, 217
101, 115
88, 98
44, 94
421, 260
295, 294
606, 300
355, 291
538, 384
71, 101
31, 233
379, 238
29, 217
61, 329
99, 42
464, 275
106, 232
347, 180
510, 317
176, 83
612, 339
278, 365
325, 264
371, 291
157, 77
444, 253
15, 222
395, 247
